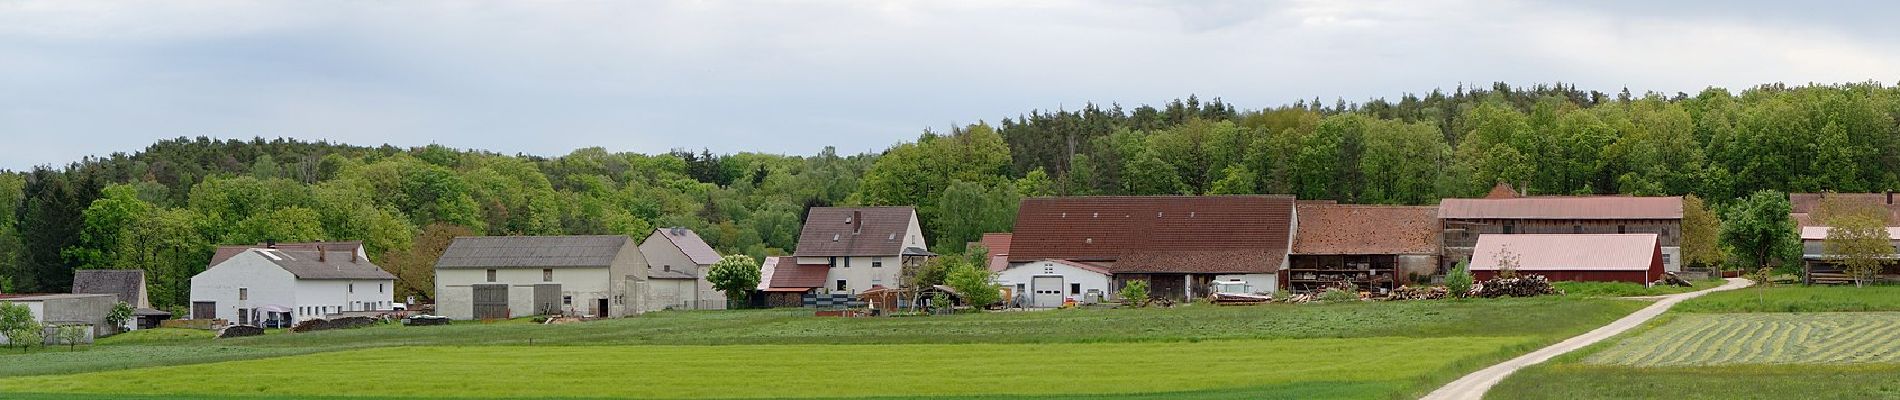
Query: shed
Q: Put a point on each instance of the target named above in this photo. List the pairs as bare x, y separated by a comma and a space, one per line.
1048, 283
1372, 247
1635, 258
65, 309
1818, 266
127, 286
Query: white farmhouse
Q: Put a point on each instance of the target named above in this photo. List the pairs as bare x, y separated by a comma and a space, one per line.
284, 285
515, 276
677, 262
1048, 283
854, 249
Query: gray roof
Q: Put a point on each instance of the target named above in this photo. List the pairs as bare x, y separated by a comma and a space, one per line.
662, 274
309, 264
485, 252
690, 244
124, 283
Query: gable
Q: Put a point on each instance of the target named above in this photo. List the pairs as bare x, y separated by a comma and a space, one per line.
855, 231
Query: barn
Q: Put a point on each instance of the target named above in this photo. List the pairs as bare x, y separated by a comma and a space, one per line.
1048, 283
515, 276
1635, 257
1179, 245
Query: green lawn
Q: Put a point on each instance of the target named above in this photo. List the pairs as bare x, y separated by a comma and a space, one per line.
1351, 350
1761, 338
1626, 289
1586, 381
1797, 299
802, 370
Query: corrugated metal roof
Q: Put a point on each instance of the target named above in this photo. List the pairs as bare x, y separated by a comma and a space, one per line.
691, 244
1159, 234
854, 231
1582, 207
1363, 229
1574, 252
483, 252
1820, 232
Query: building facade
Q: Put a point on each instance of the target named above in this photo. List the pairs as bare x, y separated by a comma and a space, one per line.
282, 286
677, 262
1465, 221
498, 277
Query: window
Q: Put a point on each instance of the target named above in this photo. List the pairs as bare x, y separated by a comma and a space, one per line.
841, 284
547, 275
667, 268
491, 275
1666, 258
1576, 229
877, 264
379, 288
351, 287
833, 262
244, 293
567, 300
1621, 229
1075, 288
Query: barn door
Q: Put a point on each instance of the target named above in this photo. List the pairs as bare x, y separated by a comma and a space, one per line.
204, 310
490, 301
547, 299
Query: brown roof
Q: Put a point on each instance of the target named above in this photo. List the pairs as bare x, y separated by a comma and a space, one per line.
1158, 234
854, 231
127, 284
997, 243
1567, 252
1362, 229
1806, 204
225, 252
1580, 207
690, 244
791, 276
1502, 191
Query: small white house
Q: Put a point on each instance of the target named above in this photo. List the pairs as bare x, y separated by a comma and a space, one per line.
498, 277
268, 285
1047, 283
677, 263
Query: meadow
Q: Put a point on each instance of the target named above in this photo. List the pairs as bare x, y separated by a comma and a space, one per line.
1626, 289
1354, 350
1797, 299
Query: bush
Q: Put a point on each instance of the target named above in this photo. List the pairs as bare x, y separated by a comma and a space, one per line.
1135, 293
1336, 295
975, 284
1459, 280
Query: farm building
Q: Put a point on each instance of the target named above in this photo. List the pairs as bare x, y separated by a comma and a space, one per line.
1048, 283
849, 250
125, 285
1635, 257
997, 246
1180, 245
1807, 207
677, 262
497, 277
1505, 213
66, 309
272, 285
1372, 247
1820, 267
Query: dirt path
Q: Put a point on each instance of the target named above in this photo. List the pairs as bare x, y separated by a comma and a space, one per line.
1474, 385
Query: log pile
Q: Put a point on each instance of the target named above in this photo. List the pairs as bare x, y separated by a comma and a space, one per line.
1237, 299
1418, 293
1522, 286
239, 331
1670, 278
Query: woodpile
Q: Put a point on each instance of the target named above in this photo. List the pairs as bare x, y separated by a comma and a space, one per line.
1405, 292
1670, 278
239, 331
1236, 299
1522, 286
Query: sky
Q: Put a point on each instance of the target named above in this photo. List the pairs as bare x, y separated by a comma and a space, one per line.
81, 78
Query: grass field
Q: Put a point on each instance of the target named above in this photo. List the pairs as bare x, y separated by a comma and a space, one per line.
793, 370
1730, 346
1797, 299
1626, 289
1351, 350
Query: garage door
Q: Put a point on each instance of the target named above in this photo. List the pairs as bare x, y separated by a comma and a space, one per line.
1048, 291
491, 301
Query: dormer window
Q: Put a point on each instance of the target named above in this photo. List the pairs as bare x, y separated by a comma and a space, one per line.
893, 237
834, 237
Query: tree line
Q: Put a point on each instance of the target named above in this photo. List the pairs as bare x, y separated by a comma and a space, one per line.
163, 209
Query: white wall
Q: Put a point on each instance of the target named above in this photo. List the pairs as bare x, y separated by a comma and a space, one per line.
859, 273
345, 295
1674, 254
1025, 274
455, 298
1260, 283
660, 253
267, 284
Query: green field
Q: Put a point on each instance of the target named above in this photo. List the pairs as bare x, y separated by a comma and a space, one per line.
1353, 350
1730, 346
1626, 289
796, 370
1797, 299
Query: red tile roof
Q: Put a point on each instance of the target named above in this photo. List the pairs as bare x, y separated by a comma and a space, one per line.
1567, 252
1365, 229
997, 243
788, 276
854, 231
1157, 234
1582, 207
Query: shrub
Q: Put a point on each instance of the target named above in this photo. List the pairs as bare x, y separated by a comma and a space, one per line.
1336, 295
121, 313
1135, 293
975, 283
1459, 280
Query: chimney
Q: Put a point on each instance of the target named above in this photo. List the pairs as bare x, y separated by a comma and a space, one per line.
352, 256
859, 217
322, 255
270, 243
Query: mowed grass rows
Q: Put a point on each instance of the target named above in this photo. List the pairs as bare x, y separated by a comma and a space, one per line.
1762, 338
1377, 365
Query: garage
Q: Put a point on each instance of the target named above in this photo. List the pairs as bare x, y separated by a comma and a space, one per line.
1050, 283
1047, 292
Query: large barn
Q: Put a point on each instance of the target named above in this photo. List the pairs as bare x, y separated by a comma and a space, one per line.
1635, 258
1179, 244
1505, 212
499, 277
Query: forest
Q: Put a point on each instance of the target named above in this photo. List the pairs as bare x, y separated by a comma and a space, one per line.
164, 209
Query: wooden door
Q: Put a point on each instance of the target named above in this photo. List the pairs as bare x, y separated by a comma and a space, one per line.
490, 301
204, 310
602, 310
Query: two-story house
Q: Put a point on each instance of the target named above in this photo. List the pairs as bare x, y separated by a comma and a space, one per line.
853, 249
279, 285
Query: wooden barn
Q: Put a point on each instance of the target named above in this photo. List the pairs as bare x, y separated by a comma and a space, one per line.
1372, 247
1635, 258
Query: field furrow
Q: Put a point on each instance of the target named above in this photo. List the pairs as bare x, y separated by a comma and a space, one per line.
1762, 338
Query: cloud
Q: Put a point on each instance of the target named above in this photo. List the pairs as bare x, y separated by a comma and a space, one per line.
545, 78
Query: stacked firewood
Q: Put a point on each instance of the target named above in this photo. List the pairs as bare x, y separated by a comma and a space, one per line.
1236, 299
1418, 293
1670, 278
1521, 286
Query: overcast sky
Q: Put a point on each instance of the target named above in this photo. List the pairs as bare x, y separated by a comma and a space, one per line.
89, 78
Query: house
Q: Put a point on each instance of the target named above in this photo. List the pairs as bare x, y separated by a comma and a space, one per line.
278, 286
1049, 283
1818, 266
66, 309
1464, 221
126, 286
677, 262
1179, 245
853, 249
1635, 257
1372, 247
498, 277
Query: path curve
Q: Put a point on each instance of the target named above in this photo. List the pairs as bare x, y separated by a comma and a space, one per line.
1474, 385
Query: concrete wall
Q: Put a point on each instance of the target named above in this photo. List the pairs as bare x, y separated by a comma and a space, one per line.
1024, 274
622, 284
267, 284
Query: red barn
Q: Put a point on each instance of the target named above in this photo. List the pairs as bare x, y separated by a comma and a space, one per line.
1571, 257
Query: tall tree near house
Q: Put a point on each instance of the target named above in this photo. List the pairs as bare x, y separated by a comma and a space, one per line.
1700, 233
1860, 244
414, 268
737, 275
1758, 227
